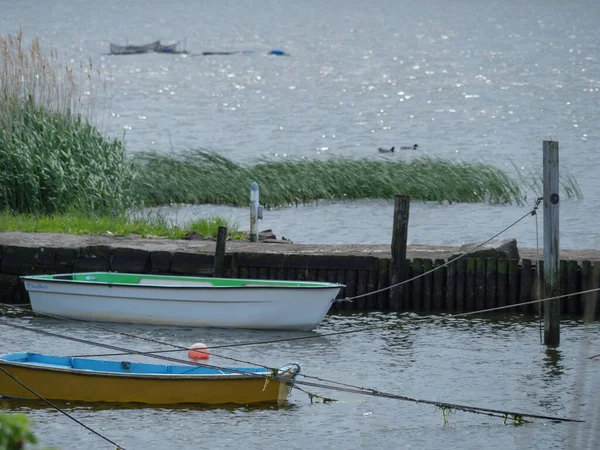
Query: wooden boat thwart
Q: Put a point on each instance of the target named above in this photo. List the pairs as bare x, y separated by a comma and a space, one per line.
89, 380
181, 300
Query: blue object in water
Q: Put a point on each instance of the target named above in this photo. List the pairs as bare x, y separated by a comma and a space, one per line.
276, 52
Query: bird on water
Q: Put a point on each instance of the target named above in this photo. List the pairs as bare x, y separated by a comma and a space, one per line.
391, 150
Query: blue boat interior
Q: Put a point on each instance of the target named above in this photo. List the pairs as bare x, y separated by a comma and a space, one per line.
96, 365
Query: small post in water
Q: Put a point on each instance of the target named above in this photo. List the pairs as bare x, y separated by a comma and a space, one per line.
399, 244
219, 267
254, 201
551, 245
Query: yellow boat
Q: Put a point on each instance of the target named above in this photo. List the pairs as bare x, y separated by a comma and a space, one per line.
91, 380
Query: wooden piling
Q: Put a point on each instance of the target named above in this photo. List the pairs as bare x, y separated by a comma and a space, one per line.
526, 288
361, 289
480, 284
372, 287
253, 272
408, 287
502, 282
399, 243
439, 283
573, 285
351, 282
593, 309
470, 285
263, 273
219, 264
416, 286
491, 282
563, 287
427, 284
551, 244
514, 283
587, 283
383, 297
341, 279
461, 284
449, 304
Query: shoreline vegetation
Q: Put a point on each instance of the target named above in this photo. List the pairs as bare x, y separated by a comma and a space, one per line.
60, 173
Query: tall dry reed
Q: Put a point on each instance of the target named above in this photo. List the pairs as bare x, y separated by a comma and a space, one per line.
52, 158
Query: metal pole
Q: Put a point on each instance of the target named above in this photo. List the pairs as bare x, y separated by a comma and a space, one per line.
551, 245
254, 200
399, 243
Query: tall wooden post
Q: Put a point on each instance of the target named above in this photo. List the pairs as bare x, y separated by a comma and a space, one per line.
219, 266
551, 245
399, 244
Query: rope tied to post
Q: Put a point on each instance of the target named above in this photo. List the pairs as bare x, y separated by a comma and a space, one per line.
533, 212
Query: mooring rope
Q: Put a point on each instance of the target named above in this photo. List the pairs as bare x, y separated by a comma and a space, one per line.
60, 410
451, 260
348, 388
342, 387
451, 406
127, 351
295, 338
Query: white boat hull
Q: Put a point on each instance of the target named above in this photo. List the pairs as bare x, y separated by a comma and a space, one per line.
283, 308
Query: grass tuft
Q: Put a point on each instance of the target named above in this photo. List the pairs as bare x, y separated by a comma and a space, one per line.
139, 223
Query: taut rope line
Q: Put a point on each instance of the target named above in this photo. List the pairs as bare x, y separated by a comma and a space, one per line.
462, 255
60, 410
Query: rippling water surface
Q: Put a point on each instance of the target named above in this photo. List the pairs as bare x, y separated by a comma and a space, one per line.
465, 80
493, 363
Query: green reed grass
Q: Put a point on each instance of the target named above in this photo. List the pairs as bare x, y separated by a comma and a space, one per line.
209, 227
52, 158
199, 177
53, 161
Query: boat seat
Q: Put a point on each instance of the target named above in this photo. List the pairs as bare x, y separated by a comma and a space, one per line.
153, 281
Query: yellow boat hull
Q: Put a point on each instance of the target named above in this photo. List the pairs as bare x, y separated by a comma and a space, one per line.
86, 386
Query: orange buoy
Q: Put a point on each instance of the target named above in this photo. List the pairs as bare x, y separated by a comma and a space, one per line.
198, 351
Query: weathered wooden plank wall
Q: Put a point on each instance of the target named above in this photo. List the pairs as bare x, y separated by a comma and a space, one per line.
468, 284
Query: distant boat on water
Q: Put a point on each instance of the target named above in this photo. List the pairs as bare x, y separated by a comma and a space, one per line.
152, 47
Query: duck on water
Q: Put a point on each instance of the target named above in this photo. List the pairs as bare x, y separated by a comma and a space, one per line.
391, 150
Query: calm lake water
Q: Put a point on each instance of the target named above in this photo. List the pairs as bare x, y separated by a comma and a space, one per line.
494, 363
467, 81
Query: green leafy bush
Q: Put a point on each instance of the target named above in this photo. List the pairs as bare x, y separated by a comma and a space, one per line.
14, 432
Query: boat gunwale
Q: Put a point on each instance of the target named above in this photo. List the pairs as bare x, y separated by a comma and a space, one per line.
270, 284
155, 376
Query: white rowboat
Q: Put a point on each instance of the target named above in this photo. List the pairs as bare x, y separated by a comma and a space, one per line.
182, 300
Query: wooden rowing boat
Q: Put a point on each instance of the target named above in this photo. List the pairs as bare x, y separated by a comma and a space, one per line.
182, 300
91, 380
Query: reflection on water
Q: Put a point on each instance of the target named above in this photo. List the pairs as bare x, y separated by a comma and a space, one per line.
491, 362
552, 364
25, 405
